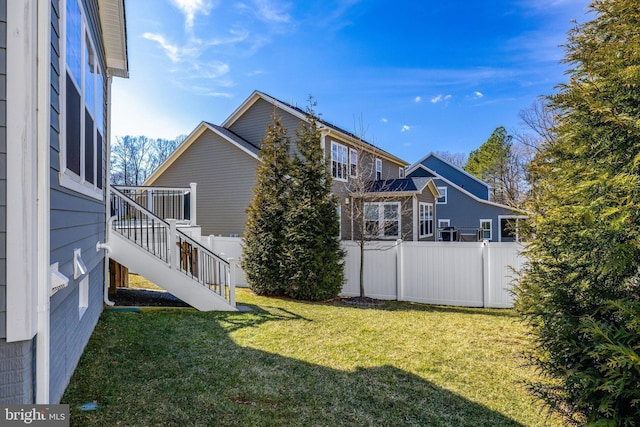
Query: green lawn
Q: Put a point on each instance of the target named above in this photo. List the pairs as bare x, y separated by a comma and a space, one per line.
306, 364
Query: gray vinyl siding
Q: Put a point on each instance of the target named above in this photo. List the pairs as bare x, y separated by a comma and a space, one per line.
225, 175
390, 170
454, 175
464, 211
16, 358
252, 125
76, 221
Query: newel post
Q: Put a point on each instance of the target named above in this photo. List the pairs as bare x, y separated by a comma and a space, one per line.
233, 265
173, 247
192, 203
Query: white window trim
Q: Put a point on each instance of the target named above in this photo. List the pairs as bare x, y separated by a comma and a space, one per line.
426, 206
336, 144
517, 218
381, 219
443, 193
401, 172
490, 228
67, 177
353, 153
442, 223
378, 169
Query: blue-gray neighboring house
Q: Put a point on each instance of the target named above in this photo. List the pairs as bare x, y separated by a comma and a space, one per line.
464, 211
57, 61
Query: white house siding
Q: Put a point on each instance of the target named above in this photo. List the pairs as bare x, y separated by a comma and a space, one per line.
76, 221
226, 176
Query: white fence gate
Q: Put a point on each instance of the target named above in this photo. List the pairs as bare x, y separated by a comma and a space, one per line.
470, 274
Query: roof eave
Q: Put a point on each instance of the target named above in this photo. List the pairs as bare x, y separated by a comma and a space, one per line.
114, 30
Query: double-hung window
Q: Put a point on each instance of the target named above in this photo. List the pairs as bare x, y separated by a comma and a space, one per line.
338, 161
353, 162
378, 169
82, 111
426, 219
485, 225
382, 219
442, 200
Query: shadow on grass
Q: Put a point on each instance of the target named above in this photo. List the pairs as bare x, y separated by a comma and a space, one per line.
184, 369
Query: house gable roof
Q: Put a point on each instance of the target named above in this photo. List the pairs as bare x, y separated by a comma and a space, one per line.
302, 115
114, 34
225, 134
438, 157
465, 192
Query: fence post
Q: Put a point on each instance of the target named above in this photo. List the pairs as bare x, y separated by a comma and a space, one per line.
174, 254
486, 285
232, 281
192, 204
399, 271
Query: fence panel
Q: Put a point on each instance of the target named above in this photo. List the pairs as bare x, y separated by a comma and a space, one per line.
229, 247
442, 273
448, 273
379, 270
504, 262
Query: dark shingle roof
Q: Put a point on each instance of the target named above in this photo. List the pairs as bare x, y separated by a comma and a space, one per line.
235, 138
406, 185
329, 125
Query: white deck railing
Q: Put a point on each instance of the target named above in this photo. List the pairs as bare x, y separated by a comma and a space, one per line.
177, 203
166, 242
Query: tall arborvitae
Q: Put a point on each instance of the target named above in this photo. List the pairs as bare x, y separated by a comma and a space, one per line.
264, 237
579, 290
313, 253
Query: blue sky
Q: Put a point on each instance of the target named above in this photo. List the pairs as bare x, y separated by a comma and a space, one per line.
413, 76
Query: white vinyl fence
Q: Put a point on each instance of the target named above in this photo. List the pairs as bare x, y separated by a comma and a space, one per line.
228, 248
470, 274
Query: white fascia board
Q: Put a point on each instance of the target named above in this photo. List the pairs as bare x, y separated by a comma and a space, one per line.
231, 141
432, 154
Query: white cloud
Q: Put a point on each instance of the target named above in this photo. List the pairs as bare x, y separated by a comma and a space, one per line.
171, 50
268, 11
383, 120
211, 70
440, 98
418, 99
477, 95
190, 8
405, 128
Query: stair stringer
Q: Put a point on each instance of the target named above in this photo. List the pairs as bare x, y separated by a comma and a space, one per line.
154, 269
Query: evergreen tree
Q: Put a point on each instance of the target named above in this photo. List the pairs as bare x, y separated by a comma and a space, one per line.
263, 256
491, 163
314, 269
579, 290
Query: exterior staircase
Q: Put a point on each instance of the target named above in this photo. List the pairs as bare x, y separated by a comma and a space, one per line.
157, 249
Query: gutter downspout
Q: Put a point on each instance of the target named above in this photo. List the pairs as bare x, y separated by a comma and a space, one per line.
43, 204
107, 201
